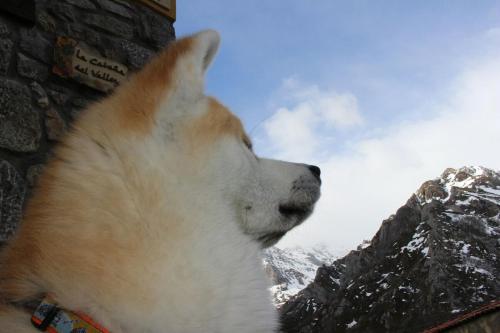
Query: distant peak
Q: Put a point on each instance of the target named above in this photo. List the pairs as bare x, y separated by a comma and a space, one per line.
467, 178
466, 172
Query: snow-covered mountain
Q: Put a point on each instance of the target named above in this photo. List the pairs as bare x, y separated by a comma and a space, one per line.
292, 269
436, 258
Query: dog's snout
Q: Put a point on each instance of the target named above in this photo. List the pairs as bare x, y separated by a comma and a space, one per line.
316, 171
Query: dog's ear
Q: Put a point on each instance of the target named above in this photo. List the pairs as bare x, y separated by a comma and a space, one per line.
171, 82
180, 68
206, 44
198, 53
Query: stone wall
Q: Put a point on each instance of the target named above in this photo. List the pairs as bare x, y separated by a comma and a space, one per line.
36, 106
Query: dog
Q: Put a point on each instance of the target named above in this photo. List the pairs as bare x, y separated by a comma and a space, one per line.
153, 210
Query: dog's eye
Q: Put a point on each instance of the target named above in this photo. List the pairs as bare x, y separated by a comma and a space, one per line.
247, 143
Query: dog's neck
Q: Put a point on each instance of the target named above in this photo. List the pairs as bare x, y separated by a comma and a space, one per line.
217, 272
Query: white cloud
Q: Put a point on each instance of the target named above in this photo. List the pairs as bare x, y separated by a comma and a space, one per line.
493, 33
292, 132
378, 174
297, 132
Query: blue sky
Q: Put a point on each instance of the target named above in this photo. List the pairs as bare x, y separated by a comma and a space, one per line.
342, 84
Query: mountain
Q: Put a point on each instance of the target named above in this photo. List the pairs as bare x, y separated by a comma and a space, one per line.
436, 258
292, 269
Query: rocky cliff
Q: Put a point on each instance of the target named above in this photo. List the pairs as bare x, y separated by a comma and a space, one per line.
434, 259
292, 269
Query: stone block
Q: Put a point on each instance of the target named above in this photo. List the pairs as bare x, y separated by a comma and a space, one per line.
4, 29
137, 56
54, 124
81, 32
39, 95
46, 22
92, 38
20, 128
128, 52
33, 43
110, 25
12, 193
155, 28
115, 8
59, 95
125, 3
31, 69
85, 4
62, 11
113, 49
5, 55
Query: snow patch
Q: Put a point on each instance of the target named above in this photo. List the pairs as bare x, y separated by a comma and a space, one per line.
465, 249
297, 266
470, 267
416, 243
409, 289
311, 305
334, 280
473, 173
465, 202
490, 190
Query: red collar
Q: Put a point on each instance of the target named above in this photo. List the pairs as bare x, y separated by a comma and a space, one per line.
49, 317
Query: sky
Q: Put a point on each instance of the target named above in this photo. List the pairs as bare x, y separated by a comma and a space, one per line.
382, 95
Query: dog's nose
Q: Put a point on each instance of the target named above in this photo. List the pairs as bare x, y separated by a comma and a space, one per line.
315, 171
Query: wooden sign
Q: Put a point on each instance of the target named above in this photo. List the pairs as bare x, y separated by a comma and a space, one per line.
78, 61
166, 7
23, 9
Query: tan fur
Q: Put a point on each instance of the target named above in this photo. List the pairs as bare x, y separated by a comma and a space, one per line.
69, 210
136, 103
214, 124
19, 321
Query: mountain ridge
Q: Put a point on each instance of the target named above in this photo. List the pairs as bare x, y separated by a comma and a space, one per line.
434, 259
292, 269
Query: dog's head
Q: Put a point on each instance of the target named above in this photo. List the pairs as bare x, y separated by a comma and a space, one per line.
204, 149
